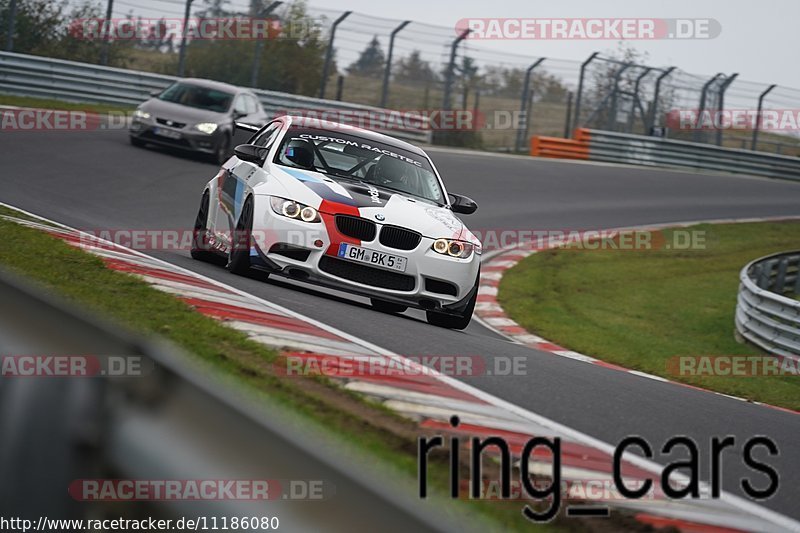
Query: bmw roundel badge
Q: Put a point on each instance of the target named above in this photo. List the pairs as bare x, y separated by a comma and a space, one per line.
380, 216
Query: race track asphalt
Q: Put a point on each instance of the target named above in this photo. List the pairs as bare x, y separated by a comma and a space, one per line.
96, 180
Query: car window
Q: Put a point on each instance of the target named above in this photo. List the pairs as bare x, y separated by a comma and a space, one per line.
196, 96
341, 155
239, 105
268, 136
252, 104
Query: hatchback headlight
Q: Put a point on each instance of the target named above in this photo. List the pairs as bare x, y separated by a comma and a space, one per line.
141, 115
295, 210
206, 127
453, 248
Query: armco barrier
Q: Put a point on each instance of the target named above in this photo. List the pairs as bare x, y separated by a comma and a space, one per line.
766, 313
44, 77
598, 145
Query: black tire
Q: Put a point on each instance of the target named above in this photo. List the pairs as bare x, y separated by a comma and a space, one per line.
387, 307
239, 258
222, 151
200, 249
136, 142
460, 321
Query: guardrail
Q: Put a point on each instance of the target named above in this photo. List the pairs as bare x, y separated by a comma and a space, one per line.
766, 315
44, 77
172, 423
598, 145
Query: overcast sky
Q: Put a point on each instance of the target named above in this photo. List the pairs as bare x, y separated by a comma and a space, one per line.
760, 39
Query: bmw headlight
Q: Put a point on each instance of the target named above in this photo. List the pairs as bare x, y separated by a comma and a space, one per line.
453, 248
295, 210
141, 115
206, 127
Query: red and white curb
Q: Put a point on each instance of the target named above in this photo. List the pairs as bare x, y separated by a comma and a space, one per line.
491, 314
425, 395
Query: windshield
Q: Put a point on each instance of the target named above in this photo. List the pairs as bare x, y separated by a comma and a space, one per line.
196, 96
345, 156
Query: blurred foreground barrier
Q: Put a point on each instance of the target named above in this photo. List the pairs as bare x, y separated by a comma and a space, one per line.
71, 81
597, 145
767, 311
172, 423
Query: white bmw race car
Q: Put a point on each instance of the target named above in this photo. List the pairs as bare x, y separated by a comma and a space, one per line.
346, 208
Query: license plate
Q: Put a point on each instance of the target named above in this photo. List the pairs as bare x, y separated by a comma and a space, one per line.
170, 134
372, 257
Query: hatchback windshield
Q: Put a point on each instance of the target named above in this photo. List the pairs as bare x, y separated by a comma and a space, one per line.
341, 155
196, 96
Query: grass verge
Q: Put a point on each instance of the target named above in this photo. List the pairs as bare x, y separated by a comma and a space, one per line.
47, 103
384, 439
638, 309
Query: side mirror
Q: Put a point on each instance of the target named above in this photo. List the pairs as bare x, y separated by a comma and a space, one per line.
238, 114
250, 153
462, 204
155, 93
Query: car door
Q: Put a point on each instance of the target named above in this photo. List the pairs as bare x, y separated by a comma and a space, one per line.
238, 179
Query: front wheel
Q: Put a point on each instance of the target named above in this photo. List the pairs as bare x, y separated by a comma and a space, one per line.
459, 321
136, 142
239, 259
222, 152
200, 248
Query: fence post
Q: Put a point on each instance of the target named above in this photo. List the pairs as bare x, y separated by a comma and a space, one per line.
703, 94
637, 103
339, 87
387, 71
758, 119
260, 45
613, 112
182, 54
654, 108
106, 36
721, 103
522, 127
329, 53
568, 120
448, 84
12, 19
580, 89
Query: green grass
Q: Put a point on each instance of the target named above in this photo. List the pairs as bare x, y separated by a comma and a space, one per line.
365, 430
640, 308
47, 103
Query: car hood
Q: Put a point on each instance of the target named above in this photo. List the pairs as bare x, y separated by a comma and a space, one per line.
180, 113
381, 205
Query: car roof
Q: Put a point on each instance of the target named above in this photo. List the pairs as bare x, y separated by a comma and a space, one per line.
327, 125
211, 84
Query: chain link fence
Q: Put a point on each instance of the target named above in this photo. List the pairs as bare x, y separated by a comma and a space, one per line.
415, 66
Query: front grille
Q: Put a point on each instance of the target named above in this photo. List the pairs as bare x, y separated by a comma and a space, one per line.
374, 277
356, 227
440, 287
399, 238
170, 123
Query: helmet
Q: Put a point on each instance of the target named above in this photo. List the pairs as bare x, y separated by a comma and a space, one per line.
300, 152
390, 170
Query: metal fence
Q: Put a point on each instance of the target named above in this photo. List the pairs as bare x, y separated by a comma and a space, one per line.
652, 151
43, 77
415, 65
767, 310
